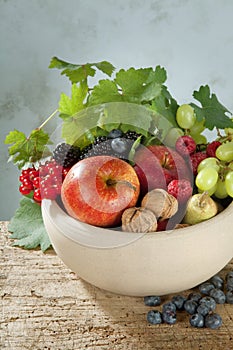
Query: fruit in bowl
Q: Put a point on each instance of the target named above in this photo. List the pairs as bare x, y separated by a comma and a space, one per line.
117, 187
97, 190
134, 259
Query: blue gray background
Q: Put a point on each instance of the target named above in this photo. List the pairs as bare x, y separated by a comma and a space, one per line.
192, 39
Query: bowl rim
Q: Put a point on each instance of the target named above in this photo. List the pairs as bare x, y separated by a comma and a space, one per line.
106, 238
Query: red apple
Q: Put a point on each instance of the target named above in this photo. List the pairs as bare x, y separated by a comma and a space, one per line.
157, 165
96, 190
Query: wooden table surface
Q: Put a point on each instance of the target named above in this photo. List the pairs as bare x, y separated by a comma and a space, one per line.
46, 306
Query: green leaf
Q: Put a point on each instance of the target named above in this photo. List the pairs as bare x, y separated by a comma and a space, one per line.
28, 227
105, 91
166, 106
80, 72
24, 150
212, 111
138, 85
159, 75
68, 106
105, 67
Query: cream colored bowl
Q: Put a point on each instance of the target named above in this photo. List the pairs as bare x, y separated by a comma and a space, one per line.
141, 264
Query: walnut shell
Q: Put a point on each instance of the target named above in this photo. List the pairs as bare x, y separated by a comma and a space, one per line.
161, 203
138, 220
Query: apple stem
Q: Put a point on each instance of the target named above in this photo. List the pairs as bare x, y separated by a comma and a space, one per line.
111, 182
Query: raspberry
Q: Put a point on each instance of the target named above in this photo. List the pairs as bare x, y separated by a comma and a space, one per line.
51, 177
185, 145
180, 189
195, 159
211, 148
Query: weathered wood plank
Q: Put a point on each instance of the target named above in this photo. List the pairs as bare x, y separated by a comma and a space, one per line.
46, 306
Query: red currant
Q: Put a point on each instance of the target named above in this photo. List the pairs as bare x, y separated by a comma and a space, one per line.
33, 173
27, 184
23, 190
36, 182
37, 195
22, 177
25, 172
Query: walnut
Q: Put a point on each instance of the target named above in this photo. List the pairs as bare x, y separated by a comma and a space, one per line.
138, 220
161, 203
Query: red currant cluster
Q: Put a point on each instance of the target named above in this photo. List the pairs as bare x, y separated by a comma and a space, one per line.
45, 182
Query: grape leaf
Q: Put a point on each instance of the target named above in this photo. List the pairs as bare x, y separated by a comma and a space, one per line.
105, 91
68, 106
132, 85
159, 75
26, 150
80, 72
166, 106
139, 85
212, 111
27, 226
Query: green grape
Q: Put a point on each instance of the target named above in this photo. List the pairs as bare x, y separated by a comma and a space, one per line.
172, 136
185, 116
198, 127
206, 178
199, 139
229, 183
220, 191
225, 152
230, 165
228, 131
209, 162
210, 191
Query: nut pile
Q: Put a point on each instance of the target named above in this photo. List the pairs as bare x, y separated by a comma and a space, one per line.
156, 206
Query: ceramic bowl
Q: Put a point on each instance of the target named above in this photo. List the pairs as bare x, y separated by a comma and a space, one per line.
133, 264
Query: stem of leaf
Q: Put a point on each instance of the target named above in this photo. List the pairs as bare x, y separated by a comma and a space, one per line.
48, 119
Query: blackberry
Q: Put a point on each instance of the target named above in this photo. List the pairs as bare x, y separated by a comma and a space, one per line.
100, 147
115, 144
99, 139
66, 155
131, 135
84, 152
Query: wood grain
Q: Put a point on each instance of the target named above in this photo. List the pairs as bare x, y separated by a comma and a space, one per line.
46, 306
